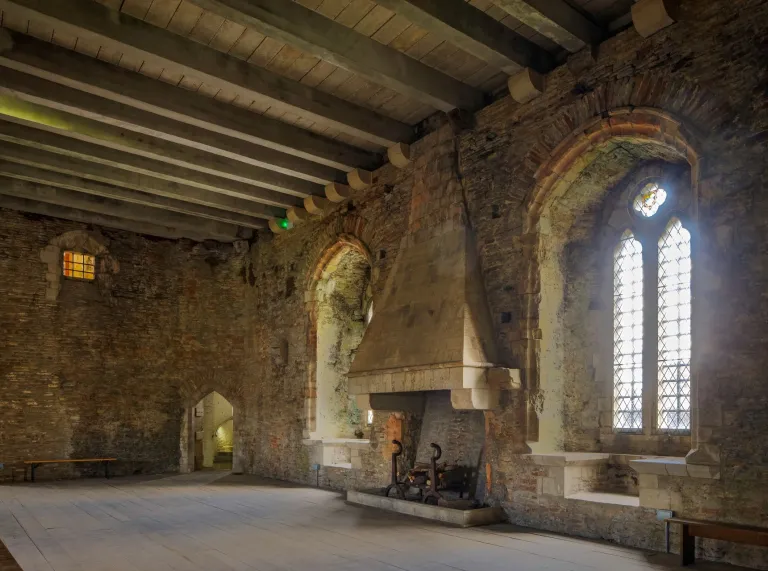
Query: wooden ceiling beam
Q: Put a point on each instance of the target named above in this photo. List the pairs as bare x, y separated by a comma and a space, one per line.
78, 71
91, 20
51, 178
69, 125
322, 37
556, 20
101, 174
54, 96
75, 215
475, 32
124, 210
128, 164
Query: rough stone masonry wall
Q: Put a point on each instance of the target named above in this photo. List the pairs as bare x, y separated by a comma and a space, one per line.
106, 369
190, 319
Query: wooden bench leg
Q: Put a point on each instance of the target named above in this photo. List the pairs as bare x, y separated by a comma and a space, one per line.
32, 468
106, 470
687, 546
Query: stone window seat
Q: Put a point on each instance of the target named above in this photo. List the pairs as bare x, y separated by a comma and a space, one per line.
607, 498
342, 453
674, 466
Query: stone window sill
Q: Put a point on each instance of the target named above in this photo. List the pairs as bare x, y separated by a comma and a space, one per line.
348, 442
674, 466
340, 465
569, 459
606, 498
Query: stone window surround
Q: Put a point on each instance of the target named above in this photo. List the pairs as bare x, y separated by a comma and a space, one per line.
569, 475
92, 243
647, 231
559, 168
337, 245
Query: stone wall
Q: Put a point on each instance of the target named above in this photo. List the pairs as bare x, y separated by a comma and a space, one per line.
106, 367
180, 320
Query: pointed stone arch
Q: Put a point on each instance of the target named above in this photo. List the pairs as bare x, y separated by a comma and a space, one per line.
333, 247
558, 167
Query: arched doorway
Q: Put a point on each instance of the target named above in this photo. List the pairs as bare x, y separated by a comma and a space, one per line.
207, 435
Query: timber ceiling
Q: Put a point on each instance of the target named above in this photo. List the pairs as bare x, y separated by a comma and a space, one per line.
208, 118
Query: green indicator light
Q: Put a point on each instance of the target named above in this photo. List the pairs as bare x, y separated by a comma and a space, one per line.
283, 223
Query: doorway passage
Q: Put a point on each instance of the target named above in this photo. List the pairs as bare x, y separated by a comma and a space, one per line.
209, 434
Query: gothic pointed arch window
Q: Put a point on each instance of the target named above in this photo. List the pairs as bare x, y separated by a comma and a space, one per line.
652, 341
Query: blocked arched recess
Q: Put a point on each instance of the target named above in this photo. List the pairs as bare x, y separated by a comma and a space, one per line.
191, 394
332, 250
555, 175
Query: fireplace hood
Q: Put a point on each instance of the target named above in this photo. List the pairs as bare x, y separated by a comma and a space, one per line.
432, 328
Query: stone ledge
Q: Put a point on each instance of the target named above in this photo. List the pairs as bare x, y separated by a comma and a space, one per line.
326, 452
348, 442
569, 458
674, 466
461, 518
606, 498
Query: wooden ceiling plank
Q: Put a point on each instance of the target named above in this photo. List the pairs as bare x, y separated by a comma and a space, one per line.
393, 28
354, 13
303, 64
408, 38
318, 74
184, 18
473, 31
125, 210
206, 27
136, 8
40, 30
315, 34
374, 20
14, 20
151, 69
227, 36
180, 177
64, 40
84, 217
556, 20
332, 8
52, 177
89, 130
90, 170
171, 77
246, 44
109, 55
424, 46
213, 67
89, 47
161, 12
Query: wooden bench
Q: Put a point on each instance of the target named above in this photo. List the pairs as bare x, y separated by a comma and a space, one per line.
34, 464
690, 529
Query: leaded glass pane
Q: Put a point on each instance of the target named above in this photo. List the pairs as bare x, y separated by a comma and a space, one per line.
675, 328
80, 266
649, 199
628, 334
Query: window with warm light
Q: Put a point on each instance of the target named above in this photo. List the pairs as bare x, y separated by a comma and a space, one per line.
79, 266
652, 319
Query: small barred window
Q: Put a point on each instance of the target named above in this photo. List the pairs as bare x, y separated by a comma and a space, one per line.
79, 266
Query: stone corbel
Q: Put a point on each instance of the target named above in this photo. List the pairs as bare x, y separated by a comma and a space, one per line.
475, 399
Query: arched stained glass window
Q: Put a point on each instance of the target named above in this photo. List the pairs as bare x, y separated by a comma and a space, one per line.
628, 334
674, 406
656, 281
